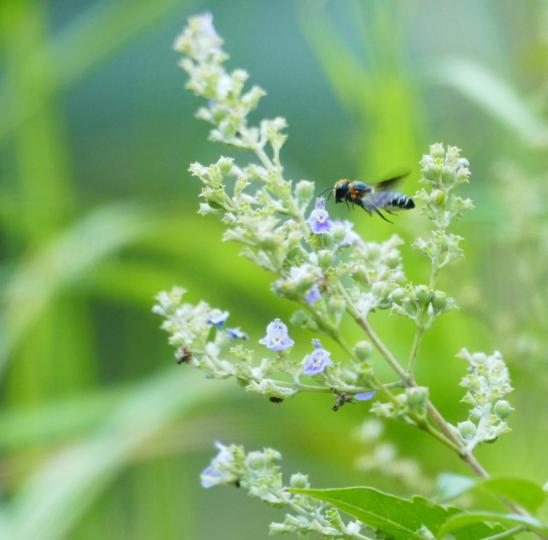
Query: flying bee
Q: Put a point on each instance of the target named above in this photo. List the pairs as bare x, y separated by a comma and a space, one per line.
372, 197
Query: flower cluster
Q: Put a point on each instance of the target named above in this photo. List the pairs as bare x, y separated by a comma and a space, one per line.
442, 172
259, 474
198, 334
487, 383
328, 270
409, 405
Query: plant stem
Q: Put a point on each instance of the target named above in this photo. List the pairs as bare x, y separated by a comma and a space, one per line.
419, 330
415, 347
507, 533
447, 436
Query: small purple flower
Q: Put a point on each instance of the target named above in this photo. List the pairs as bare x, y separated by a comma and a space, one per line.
317, 361
319, 221
236, 333
217, 318
313, 295
365, 396
217, 472
276, 338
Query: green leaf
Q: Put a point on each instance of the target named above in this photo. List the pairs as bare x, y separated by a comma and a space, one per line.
524, 492
400, 518
465, 519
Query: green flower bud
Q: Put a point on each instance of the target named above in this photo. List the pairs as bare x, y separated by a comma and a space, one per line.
325, 259
423, 294
503, 409
438, 197
225, 165
417, 397
360, 275
439, 301
437, 150
304, 191
448, 177
299, 480
397, 294
363, 350
410, 308
467, 429
256, 460
432, 172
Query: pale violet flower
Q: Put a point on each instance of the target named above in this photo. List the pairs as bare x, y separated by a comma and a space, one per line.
317, 361
313, 295
318, 220
277, 338
218, 471
236, 333
217, 318
365, 396
463, 163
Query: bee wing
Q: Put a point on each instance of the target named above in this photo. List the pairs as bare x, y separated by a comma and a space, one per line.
377, 201
389, 183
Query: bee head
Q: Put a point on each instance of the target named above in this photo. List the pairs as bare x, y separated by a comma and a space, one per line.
341, 189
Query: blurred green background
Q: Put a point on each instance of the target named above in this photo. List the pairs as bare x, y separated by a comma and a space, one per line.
101, 436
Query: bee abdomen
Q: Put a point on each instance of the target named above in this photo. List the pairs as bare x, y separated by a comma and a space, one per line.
402, 201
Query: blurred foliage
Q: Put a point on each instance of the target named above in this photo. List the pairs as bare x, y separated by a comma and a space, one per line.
98, 437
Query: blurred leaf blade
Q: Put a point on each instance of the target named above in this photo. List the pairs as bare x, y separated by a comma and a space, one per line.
63, 259
87, 42
77, 474
465, 519
524, 492
493, 95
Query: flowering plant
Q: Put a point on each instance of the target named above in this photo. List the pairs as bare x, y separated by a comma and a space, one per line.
324, 267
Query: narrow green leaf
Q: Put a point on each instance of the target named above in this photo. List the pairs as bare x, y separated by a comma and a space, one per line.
400, 518
76, 475
63, 260
495, 96
465, 519
522, 491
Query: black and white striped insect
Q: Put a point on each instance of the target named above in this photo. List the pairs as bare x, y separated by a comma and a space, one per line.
376, 197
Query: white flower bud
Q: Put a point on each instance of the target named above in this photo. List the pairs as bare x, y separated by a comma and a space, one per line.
503, 409
467, 429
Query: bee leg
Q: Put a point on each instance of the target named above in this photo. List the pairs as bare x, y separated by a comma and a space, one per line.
382, 216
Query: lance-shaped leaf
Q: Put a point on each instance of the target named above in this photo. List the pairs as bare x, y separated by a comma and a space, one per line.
402, 519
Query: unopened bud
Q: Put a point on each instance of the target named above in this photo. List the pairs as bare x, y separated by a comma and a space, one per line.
503, 409
438, 197
363, 350
467, 429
